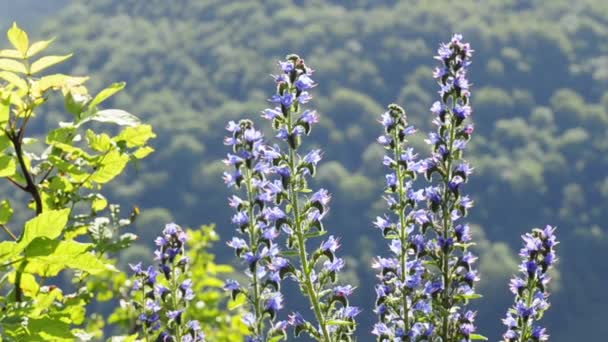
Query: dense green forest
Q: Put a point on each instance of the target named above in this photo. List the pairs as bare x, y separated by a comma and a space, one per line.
540, 102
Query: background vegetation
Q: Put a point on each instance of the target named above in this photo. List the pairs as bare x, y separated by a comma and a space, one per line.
540, 99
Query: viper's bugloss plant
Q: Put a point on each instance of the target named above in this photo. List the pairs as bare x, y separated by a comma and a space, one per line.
450, 260
317, 270
258, 219
401, 302
161, 294
427, 282
530, 288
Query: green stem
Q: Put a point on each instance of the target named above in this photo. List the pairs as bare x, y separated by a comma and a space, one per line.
446, 213
254, 247
403, 232
529, 297
306, 269
175, 288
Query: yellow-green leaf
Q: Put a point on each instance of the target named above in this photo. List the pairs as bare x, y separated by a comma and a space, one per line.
5, 108
10, 53
115, 116
112, 166
240, 300
99, 142
143, 152
8, 167
18, 39
6, 212
99, 203
48, 224
48, 257
13, 79
12, 65
47, 61
38, 47
136, 136
106, 93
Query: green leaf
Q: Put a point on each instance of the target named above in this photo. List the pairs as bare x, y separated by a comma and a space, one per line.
143, 152
12, 65
47, 61
115, 116
106, 93
112, 165
8, 167
240, 300
48, 224
18, 39
99, 203
478, 337
4, 142
38, 47
10, 53
339, 322
6, 212
49, 257
57, 81
136, 136
5, 106
50, 329
99, 142
13, 79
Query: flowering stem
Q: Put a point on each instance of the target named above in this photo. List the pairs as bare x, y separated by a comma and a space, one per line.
403, 232
446, 212
254, 247
312, 294
175, 288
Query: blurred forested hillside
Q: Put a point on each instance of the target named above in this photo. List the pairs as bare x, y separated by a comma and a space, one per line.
540, 102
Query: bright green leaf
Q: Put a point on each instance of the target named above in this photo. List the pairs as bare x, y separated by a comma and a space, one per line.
10, 53
99, 203
143, 152
12, 65
99, 142
106, 93
240, 300
136, 136
112, 166
38, 47
13, 79
6, 212
8, 167
115, 116
18, 39
47, 61
478, 337
48, 224
48, 257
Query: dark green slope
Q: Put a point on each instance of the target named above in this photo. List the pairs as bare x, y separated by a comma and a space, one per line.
540, 75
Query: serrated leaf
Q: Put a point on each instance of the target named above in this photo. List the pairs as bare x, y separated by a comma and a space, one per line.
6, 212
136, 136
49, 329
115, 116
8, 167
12, 65
46, 62
18, 39
38, 47
48, 224
106, 93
